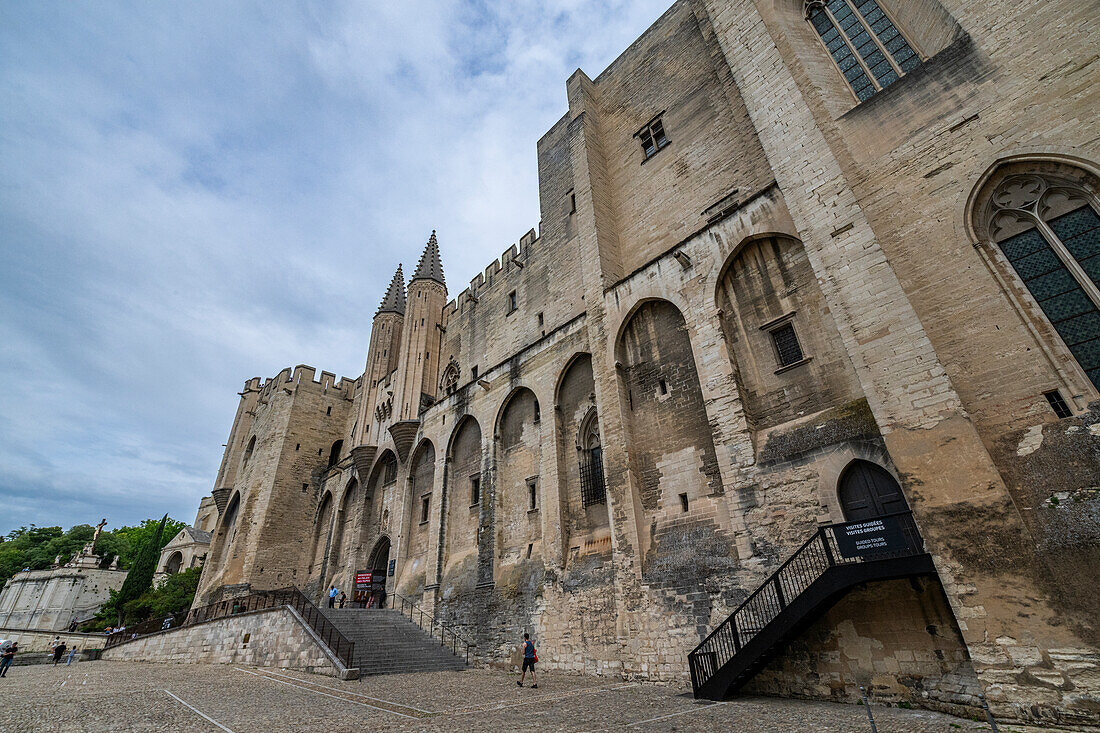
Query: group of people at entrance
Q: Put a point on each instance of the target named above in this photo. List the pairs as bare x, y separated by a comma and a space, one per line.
338, 599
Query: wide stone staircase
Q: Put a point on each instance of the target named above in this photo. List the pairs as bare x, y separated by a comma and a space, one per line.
386, 642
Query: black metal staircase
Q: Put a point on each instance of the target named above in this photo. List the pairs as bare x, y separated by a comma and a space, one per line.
836, 558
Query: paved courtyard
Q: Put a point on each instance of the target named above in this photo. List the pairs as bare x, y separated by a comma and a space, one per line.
135, 696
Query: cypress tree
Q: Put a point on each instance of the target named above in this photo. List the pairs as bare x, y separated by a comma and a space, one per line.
140, 577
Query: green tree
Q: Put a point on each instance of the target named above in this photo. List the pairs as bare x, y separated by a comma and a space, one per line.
126, 542
37, 547
140, 577
172, 598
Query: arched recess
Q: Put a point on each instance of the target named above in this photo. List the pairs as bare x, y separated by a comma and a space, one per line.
867, 490
334, 452
321, 526
1038, 224
784, 347
227, 530
517, 503
343, 533
584, 522
418, 512
669, 440
464, 490
379, 496
378, 563
248, 451
175, 562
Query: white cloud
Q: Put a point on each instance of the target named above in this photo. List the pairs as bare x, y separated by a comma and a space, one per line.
196, 194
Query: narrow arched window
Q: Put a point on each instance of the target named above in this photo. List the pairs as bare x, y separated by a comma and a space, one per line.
864, 42
593, 488
1049, 231
248, 451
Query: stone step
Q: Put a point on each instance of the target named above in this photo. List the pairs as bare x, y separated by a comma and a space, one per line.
387, 642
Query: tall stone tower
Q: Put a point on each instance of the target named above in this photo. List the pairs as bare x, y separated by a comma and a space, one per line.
382, 354
418, 369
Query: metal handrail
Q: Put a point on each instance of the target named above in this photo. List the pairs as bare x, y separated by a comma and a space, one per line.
331, 636
417, 615
808, 563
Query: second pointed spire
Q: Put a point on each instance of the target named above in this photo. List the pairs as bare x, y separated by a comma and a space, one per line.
394, 302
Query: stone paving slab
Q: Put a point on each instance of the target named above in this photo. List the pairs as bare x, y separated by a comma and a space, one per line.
136, 696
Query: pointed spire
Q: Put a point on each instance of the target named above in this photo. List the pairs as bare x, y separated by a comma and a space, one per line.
394, 302
430, 267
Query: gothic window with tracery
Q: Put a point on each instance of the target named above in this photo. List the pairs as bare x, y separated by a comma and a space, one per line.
1049, 231
593, 489
868, 48
449, 382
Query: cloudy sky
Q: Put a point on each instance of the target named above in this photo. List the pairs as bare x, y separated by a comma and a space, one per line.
195, 193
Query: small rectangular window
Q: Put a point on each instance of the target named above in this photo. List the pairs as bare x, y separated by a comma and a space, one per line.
787, 349
329, 411
652, 137
663, 386
473, 371
305, 488
475, 490
532, 494
1058, 403
541, 320
512, 301
572, 202
425, 505
684, 502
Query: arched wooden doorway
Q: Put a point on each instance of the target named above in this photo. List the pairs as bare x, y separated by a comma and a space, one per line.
868, 491
379, 567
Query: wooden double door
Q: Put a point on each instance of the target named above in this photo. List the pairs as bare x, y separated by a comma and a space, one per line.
867, 491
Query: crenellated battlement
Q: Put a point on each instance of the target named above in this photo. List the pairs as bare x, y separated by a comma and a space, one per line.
512, 260
303, 376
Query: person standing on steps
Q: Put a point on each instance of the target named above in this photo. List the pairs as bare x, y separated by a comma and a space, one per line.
530, 657
332, 597
58, 652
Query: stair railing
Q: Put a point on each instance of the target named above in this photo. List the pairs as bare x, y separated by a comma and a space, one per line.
331, 636
833, 545
419, 617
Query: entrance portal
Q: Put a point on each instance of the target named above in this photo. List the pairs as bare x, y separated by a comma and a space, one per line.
868, 491
379, 567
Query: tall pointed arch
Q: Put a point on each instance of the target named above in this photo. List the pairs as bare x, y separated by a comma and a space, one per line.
1041, 219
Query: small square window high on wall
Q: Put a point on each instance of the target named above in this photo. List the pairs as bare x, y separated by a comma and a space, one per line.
787, 349
652, 137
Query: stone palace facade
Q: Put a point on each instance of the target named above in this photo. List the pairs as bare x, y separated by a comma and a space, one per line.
798, 263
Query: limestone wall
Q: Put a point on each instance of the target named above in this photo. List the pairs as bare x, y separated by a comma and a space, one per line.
898, 639
39, 641
53, 599
273, 637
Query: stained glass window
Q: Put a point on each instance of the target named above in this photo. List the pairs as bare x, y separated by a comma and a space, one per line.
1050, 234
865, 44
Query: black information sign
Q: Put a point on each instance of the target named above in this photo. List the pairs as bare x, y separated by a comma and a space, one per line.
867, 539
393, 564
